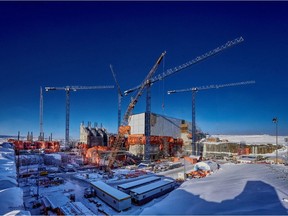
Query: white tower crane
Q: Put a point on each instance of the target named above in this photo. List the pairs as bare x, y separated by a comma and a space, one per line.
162, 76
68, 89
194, 90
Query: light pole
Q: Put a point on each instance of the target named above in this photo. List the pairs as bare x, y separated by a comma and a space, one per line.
275, 120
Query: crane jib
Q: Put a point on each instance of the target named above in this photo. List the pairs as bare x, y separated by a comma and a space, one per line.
189, 63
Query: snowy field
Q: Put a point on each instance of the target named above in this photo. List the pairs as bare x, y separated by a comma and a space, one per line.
235, 189
253, 139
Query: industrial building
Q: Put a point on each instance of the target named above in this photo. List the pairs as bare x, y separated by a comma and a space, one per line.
214, 147
93, 136
169, 136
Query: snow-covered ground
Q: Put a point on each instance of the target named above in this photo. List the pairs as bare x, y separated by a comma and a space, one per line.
242, 189
11, 196
253, 139
234, 189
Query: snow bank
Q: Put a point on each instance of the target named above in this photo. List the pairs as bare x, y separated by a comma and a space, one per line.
11, 197
235, 189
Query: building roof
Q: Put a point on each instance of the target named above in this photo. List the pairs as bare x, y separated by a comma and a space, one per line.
76, 208
154, 185
56, 200
119, 195
139, 182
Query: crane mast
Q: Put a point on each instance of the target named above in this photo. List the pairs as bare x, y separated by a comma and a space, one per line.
194, 90
120, 95
146, 82
41, 136
68, 89
122, 130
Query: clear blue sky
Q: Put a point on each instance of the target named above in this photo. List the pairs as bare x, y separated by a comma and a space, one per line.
73, 43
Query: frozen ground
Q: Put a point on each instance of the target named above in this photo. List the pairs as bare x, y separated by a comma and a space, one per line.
246, 189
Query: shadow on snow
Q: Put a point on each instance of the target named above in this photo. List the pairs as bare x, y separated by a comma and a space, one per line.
257, 198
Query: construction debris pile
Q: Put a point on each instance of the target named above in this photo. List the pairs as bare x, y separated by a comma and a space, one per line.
203, 169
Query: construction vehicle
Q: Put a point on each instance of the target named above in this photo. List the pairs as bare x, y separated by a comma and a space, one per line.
124, 129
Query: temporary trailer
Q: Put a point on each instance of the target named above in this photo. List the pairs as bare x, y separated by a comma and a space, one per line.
144, 194
113, 197
128, 186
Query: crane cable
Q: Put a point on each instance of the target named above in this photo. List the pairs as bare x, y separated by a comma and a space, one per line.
163, 89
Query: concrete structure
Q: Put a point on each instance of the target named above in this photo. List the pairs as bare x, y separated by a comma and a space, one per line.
214, 147
93, 136
110, 195
161, 126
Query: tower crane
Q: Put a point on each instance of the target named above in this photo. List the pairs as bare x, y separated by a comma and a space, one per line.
165, 74
194, 90
68, 89
41, 136
123, 129
120, 95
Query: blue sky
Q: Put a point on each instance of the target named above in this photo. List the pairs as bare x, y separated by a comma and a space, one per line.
73, 43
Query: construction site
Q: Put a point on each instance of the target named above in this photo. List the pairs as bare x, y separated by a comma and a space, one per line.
119, 173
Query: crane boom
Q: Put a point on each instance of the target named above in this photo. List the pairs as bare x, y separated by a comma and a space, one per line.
120, 137
117, 84
211, 87
120, 95
67, 89
189, 63
145, 82
75, 88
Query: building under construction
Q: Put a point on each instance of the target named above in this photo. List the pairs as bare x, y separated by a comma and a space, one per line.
169, 136
93, 136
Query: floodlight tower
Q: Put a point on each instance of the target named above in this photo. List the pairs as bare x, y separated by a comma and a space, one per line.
275, 121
